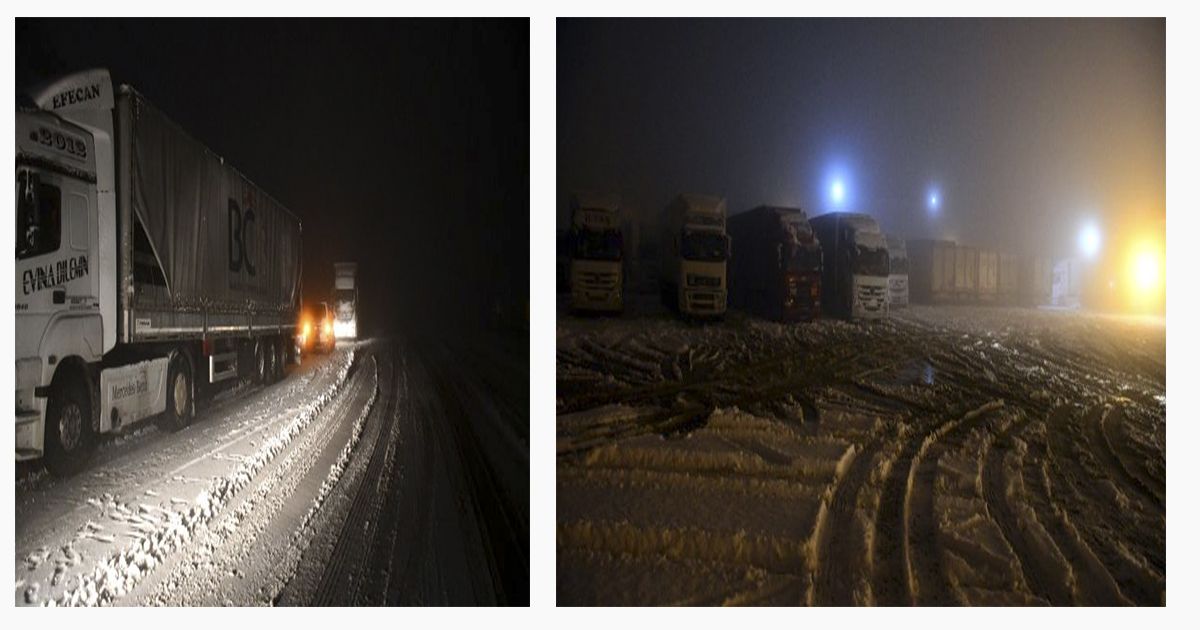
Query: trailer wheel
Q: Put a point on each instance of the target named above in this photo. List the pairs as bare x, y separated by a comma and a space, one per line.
179, 396
260, 363
280, 358
270, 368
69, 438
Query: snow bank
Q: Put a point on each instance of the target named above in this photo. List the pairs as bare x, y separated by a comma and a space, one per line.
117, 574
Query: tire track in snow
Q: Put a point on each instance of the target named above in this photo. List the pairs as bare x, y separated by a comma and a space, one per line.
1111, 461
1105, 533
1041, 579
841, 577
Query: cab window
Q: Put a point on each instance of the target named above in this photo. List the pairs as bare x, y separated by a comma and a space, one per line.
39, 215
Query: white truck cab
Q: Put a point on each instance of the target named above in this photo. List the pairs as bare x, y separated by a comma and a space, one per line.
694, 250
596, 250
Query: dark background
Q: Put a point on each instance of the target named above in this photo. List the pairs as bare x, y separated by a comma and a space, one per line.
402, 145
1029, 128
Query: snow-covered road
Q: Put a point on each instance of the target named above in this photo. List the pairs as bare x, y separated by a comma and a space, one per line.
352, 481
951, 455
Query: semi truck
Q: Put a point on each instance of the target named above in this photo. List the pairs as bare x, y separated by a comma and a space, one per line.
147, 268
855, 269
693, 250
931, 271
1006, 279
596, 252
989, 266
897, 271
1034, 280
775, 268
345, 301
966, 274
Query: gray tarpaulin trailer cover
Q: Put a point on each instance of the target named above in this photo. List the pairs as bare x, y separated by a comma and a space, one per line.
229, 254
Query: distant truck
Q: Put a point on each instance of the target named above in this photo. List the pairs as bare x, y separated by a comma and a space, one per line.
966, 274
145, 266
596, 252
897, 272
931, 271
775, 264
855, 270
1034, 280
345, 301
693, 250
1006, 279
989, 266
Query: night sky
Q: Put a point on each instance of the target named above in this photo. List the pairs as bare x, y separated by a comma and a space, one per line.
402, 145
1026, 128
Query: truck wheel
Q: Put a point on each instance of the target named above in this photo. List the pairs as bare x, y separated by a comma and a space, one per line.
280, 358
179, 396
260, 363
269, 368
69, 440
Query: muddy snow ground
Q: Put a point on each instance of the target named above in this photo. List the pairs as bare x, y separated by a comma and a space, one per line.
949, 455
360, 479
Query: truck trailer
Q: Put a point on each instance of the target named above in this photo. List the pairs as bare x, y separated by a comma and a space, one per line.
897, 271
345, 301
1006, 279
693, 249
146, 266
855, 269
596, 252
1035, 276
931, 271
775, 264
989, 265
966, 274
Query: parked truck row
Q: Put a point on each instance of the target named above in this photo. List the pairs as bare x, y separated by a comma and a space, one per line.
778, 263
148, 271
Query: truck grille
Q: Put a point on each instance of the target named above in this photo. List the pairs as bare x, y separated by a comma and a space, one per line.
598, 281
703, 281
871, 298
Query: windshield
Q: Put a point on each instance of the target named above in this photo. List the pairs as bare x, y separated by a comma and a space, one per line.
871, 262
800, 258
597, 244
703, 246
39, 218
899, 266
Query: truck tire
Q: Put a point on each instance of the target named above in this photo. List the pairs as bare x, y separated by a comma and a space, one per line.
260, 363
280, 358
180, 396
69, 437
270, 369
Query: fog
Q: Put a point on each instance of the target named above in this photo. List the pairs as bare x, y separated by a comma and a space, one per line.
1025, 130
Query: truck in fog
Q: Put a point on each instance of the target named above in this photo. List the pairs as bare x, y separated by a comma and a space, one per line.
989, 265
775, 264
897, 271
147, 267
345, 301
966, 274
931, 271
596, 251
1034, 279
693, 250
1006, 279
855, 269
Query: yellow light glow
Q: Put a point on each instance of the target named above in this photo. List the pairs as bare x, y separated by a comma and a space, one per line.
1146, 271
328, 328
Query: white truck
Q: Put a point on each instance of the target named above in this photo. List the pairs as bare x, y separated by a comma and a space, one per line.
897, 271
693, 250
854, 281
145, 266
345, 301
596, 251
